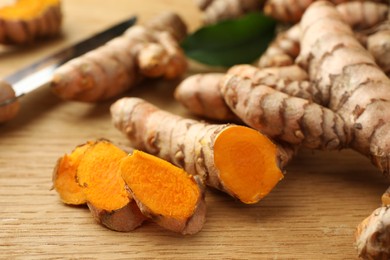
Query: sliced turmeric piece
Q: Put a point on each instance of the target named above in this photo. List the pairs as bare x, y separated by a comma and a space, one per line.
235, 159
104, 189
165, 193
27, 20
64, 176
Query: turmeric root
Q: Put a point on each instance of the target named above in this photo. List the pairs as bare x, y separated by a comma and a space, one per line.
350, 82
283, 117
219, 10
235, 159
28, 20
283, 51
10, 108
202, 96
142, 51
165, 193
91, 175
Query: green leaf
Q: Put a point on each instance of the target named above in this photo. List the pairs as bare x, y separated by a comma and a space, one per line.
231, 42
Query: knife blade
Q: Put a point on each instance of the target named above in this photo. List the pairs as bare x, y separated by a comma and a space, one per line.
40, 72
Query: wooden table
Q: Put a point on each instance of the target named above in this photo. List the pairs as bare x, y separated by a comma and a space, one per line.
311, 214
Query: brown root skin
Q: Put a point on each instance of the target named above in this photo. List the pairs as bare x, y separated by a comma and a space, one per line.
43, 19
196, 147
142, 51
373, 235
165, 193
10, 109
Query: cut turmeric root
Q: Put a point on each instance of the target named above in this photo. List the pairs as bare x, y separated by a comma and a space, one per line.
28, 20
235, 159
91, 175
165, 193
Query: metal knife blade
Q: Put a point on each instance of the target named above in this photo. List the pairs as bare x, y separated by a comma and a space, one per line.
39, 73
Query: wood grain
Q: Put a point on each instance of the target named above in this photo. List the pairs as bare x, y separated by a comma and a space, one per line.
312, 213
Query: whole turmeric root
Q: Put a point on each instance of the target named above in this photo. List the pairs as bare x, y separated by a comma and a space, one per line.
150, 50
165, 193
349, 80
91, 175
235, 159
28, 20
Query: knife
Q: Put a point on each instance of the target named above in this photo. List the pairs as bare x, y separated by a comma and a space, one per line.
40, 72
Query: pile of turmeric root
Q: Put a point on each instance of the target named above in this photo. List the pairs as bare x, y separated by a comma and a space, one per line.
323, 83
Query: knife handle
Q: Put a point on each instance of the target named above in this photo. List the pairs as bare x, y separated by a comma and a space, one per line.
9, 104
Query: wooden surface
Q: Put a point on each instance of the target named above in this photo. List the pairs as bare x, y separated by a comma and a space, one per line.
311, 214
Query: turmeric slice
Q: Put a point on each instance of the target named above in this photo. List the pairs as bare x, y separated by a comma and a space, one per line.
65, 179
210, 151
165, 193
90, 175
104, 189
28, 20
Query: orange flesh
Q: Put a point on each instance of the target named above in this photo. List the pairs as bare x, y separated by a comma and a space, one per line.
99, 175
26, 9
247, 163
65, 182
162, 187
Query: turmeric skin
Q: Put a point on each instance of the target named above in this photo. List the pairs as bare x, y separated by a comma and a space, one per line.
209, 151
164, 192
28, 20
